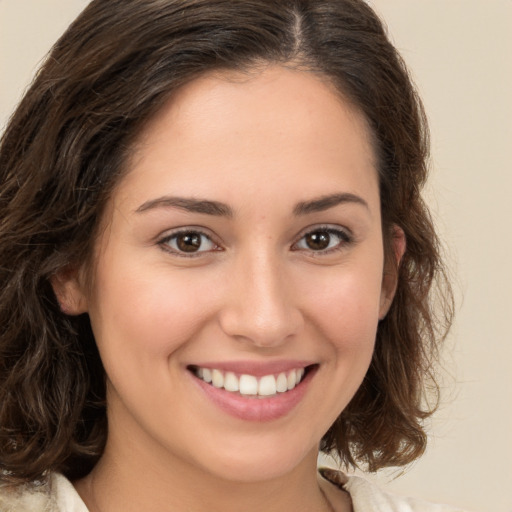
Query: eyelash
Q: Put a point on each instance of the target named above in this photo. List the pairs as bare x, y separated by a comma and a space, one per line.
344, 237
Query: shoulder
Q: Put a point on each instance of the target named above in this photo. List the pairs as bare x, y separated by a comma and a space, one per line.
35, 497
367, 497
57, 494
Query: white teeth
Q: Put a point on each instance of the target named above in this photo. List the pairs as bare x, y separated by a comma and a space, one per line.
249, 385
281, 383
231, 382
267, 386
292, 380
217, 379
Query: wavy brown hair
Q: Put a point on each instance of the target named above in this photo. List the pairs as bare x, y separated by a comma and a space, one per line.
66, 147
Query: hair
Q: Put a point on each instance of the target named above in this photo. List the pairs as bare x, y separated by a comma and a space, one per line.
66, 148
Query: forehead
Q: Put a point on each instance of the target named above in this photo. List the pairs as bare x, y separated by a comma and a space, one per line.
260, 96
248, 128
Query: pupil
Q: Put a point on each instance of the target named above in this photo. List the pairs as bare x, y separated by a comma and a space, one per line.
318, 241
189, 242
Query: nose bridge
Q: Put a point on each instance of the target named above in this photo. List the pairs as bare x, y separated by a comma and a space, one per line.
261, 307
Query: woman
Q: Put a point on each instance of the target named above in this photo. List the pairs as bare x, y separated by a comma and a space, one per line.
215, 262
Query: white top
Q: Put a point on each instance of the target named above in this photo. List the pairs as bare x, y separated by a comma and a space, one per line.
367, 497
60, 496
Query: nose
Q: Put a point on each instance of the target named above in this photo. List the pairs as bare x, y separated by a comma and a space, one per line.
260, 306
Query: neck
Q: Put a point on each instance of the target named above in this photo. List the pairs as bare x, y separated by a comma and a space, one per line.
116, 484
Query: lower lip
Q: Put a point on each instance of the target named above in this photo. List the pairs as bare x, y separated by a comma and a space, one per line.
255, 408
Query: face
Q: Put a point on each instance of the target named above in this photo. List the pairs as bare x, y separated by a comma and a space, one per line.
238, 281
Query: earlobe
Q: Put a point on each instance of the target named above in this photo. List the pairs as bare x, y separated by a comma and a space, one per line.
391, 266
69, 291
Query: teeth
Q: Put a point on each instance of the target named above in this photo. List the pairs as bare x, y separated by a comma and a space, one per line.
292, 380
267, 386
217, 378
206, 374
282, 383
231, 382
249, 385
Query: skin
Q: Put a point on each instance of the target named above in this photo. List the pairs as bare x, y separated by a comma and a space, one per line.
260, 144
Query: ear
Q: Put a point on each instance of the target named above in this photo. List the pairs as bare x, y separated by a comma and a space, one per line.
69, 290
391, 265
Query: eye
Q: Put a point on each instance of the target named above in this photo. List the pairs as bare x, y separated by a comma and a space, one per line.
323, 240
188, 243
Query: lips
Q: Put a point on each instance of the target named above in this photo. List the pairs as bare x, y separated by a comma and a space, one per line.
253, 392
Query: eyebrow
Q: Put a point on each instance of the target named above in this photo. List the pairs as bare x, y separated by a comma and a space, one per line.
188, 204
219, 209
325, 202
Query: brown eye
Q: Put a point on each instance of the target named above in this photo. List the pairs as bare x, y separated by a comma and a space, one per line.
323, 240
189, 242
318, 241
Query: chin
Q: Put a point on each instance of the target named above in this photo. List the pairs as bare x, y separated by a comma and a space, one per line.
260, 460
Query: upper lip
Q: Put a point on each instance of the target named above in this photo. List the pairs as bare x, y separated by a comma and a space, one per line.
258, 369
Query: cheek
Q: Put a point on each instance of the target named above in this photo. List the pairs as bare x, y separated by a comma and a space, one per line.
345, 306
143, 317
141, 322
343, 309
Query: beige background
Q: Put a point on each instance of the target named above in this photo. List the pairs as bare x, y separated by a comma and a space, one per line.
460, 53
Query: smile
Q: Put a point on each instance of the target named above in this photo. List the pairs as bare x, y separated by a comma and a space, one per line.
250, 385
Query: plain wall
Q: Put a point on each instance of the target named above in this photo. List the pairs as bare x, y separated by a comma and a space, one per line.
460, 54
